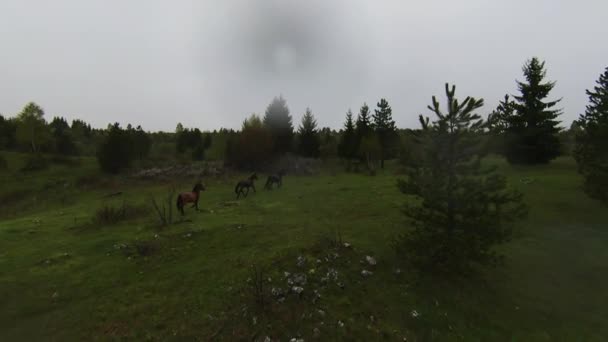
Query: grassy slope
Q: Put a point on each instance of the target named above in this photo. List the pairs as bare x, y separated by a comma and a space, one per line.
553, 287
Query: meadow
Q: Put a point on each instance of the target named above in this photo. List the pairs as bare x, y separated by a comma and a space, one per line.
66, 274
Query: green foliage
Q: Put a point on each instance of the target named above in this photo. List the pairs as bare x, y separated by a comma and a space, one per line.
8, 129
363, 126
115, 153
347, 147
463, 206
308, 136
3, 163
532, 127
591, 150
252, 147
61, 132
385, 129
279, 123
192, 141
35, 162
32, 132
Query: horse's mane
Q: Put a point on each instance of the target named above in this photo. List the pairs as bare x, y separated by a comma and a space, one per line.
197, 185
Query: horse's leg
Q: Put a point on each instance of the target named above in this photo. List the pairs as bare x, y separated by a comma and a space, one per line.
253, 186
196, 205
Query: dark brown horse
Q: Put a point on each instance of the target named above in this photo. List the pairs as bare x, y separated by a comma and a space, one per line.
275, 179
190, 197
245, 184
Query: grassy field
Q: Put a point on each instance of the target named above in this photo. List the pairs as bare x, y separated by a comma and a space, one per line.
64, 276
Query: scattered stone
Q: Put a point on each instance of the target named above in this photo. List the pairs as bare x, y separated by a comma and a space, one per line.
188, 235
332, 274
319, 261
311, 271
301, 261
299, 279
415, 314
366, 273
370, 260
347, 245
340, 285
297, 340
267, 339
297, 290
397, 271
287, 274
277, 292
156, 236
321, 313
254, 320
340, 324
316, 333
55, 295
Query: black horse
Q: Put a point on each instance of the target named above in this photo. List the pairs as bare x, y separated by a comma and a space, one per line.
190, 197
275, 179
245, 184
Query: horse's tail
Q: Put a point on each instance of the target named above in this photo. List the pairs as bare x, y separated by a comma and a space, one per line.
180, 202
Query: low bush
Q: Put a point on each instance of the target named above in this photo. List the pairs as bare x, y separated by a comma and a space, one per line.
35, 162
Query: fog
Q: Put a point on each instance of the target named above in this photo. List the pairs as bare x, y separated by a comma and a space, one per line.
209, 64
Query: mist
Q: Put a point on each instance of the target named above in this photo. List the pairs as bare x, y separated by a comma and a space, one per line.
211, 64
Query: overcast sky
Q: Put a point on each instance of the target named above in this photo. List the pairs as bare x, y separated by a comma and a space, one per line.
211, 63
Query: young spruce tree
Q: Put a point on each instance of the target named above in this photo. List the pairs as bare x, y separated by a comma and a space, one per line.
385, 129
533, 127
591, 151
308, 136
347, 147
463, 206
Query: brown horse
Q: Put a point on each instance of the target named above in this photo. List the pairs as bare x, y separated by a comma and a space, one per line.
245, 184
190, 197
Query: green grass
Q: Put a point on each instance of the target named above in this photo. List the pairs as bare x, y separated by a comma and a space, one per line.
63, 277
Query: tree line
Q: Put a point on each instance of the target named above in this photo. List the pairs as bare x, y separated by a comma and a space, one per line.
523, 127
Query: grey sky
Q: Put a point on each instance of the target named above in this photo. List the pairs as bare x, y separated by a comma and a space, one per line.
211, 63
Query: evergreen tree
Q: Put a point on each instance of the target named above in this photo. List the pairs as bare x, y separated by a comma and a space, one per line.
591, 151
8, 129
533, 127
308, 136
347, 147
64, 143
141, 143
463, 206
385, 129
278, 121
363, 126
498, 123
114, 153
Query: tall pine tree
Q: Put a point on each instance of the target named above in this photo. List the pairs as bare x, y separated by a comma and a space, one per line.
533, 127
385, 129
363, 126
463, 206
308, 136
591, 151
278, 121
347, 147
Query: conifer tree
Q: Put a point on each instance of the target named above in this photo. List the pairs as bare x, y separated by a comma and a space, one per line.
308, 136
533, 127
385, 129
591, 151
278, 121
463, 207
347, 147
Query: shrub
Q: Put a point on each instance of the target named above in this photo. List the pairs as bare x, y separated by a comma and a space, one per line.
3, 163
108, 214
35, 162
